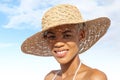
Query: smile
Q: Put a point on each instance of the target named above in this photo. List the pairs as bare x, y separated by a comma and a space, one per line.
61, 53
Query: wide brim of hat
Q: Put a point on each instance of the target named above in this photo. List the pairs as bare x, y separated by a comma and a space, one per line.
94, 30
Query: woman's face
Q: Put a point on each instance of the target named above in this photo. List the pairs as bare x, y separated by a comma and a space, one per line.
63, 42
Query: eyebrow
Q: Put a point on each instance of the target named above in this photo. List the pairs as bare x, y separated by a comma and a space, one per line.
49, 32
67, 31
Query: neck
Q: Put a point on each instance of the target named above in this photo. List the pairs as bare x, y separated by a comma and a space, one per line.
70, 67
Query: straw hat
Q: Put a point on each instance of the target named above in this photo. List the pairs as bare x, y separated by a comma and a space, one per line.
65, 14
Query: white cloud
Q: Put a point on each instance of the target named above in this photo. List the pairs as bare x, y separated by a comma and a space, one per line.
28, 13
25, 15
6, 45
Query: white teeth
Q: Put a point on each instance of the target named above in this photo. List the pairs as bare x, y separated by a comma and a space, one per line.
60, 52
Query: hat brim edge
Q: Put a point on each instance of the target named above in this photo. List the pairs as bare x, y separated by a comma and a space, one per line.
25, 47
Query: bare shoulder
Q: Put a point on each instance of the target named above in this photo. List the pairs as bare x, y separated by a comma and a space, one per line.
88, 73
50, 75
98, 75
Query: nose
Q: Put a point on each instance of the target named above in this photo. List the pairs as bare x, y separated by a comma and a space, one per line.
59, 44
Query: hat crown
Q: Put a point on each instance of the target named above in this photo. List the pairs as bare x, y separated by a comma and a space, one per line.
61, 14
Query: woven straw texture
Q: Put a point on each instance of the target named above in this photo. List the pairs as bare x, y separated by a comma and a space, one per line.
65, 14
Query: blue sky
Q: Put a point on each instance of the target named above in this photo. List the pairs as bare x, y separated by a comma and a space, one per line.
20, 19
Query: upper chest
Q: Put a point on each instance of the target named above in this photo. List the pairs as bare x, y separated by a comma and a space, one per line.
85, 75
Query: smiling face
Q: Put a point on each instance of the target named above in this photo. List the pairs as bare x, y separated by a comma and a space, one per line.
63, 42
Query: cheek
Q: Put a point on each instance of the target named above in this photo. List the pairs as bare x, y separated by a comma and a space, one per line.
50, 46
74, 47
75, 42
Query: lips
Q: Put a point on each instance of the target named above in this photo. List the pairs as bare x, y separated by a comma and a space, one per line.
61, 53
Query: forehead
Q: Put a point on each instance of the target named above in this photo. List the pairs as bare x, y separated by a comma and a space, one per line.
61, 28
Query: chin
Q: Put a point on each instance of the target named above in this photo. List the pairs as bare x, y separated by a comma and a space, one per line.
63, 60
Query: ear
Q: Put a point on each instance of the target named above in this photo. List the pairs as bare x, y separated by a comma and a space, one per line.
81, 35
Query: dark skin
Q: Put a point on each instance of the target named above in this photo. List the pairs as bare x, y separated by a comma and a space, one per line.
64, 46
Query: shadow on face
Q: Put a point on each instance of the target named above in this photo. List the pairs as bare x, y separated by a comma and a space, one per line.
64, 34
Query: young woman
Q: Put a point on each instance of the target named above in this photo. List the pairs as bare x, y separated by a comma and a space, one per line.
65, 35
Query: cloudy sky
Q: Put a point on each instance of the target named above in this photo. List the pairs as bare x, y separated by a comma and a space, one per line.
20, 19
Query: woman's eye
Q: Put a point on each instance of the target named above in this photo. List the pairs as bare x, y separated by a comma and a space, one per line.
67, 36
51, 37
